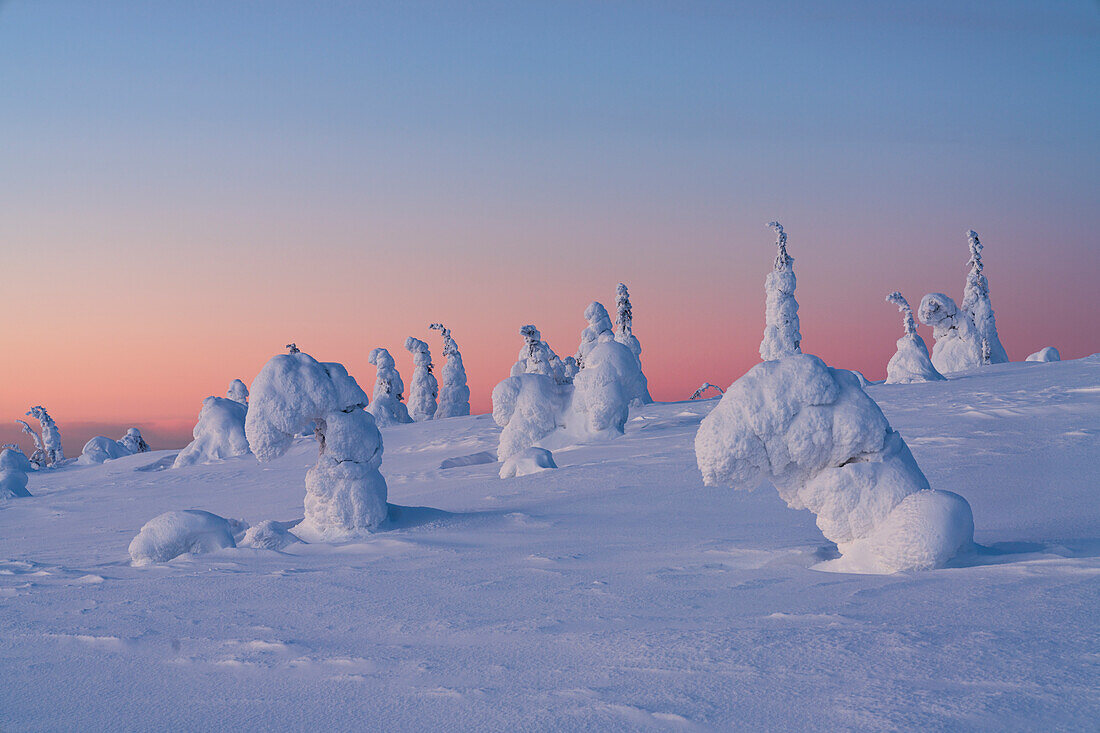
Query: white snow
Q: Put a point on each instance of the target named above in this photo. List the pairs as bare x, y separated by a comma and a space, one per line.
219, 433
188, 532
781, 334
51, 435
14, 467
454, 394
386, 405
424, 388
133, 442
1048, 353
957, 346
526, 462
238, 392
910, 363
977, 306
100, 449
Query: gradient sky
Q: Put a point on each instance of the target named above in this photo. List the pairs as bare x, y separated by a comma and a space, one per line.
186, 187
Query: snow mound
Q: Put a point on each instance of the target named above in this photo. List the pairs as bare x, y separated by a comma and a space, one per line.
133, 441
219, 433
1048, 353
237, 392
474, 459
269, 535
531, 460
958, 346
14, 466
100, 449
827, 447
172, 534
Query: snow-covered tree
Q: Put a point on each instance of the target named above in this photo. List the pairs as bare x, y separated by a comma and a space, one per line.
1048, 353
14, 466
536, 357
910, 363
51, 436
454, 395
977, 306
38, 457
424, 388
386, 405
101, 449
625, 320
238, 392
705, 386
598, 332
219, 433
781, 334
133, 441
814, 434
345, 492
957, 346
188, 532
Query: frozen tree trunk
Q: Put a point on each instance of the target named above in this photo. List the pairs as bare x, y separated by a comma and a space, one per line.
976, 305
781, 334
51, 436
454, 395
910, 363
424, 388
386, 405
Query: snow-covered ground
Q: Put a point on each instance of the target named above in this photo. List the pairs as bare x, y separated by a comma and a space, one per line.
616, 592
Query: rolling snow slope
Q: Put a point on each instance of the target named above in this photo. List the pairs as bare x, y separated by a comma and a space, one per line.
614, 593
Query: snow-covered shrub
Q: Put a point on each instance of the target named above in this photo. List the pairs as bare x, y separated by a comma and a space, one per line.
781, 334
100, 449
268, 535
237, 392
1046, 354
977, 306
910, 363
424, 388
14, 466
827, 447
188, 532
454, 394
133, 441
526, 462
386, 405
51, 436
345, 492
219, 433
529, 407
38, 457
957, 344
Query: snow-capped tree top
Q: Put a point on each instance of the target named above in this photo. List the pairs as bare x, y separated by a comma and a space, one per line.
422, 356
381, 358
38, 412
450, 348
937, 308
783, 261
598, 319
906, 312
31, 432
293, 349
625, 320
238, 392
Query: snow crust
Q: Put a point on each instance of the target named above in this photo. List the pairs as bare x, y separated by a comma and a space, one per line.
172, 534
14, 466
424, 388
1048, 353
218, 434
957, 346
386, 405
528, 461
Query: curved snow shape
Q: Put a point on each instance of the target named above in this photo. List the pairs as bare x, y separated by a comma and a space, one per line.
238, 392
957, 346
101, 449
133, 441
827, 447
14, 466
594, 336
51, 436
172, 534
386, 405
219, 433
345, 493
529, 407
604, 390
268, 535
424, 388
910, 363
454, 394
781, 327
1048, 353
527, 462
599, 330
536, 357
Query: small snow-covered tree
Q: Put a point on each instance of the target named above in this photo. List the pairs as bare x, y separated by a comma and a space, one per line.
386, 406
424, 388
38, 457
133, 441
957, 346
977, 306
219, 433
781, 334
51, 436
598, 332
910, 363
454, 395
536, 357
625, 320
14, 466
345, 492
1048, 353
237, 392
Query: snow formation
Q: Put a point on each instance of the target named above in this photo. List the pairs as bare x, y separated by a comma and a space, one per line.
345, 492
781, 335
599, 330
977, 306
957, 344
14, 466
526, 462
100, 449
625, 320
268, 535
454, 395
424, 388
827, 447
237, 392
219, 433
38, 457
528, 407
536, 357
703, 388
51, 436
172, 534
597, 336
133, 441
386, 405
910, 363
1048, 353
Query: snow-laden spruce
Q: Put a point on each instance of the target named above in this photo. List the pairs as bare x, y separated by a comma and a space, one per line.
100, 449
189, 532
133, 441
910, 363
781, 334
826, 446
599, 330
957, 346
625, 335
424, 388
219, 433
38, 457
595, 336
1048, 353
454, 394
14, 466
238, 392
345, 492
977, 306
386, 405
536, 357
51, 436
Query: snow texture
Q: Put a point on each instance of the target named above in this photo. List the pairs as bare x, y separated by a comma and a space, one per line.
345, 492
133, 441
51, 436
536, 357
454, 394
528, 407
625, 320
976, 305
781, 334
1048, 353
827, 447
172, 534
910, 363
219, 433
957, 346
386, 405
526, 462
14, 466
100, 449
599, 330
595, 336
268, 535
424, 388
38, 457
237, 392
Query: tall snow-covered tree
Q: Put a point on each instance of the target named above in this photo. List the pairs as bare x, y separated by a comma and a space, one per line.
781, 335
424, 387
51, 436
454, 394
976, 305
910, 363
387, 406
625, 320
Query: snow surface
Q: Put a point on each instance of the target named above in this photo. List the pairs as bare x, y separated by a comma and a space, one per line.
615, 593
